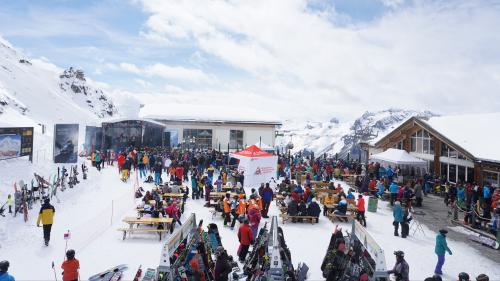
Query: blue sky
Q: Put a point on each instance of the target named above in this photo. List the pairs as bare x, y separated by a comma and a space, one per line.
348, 55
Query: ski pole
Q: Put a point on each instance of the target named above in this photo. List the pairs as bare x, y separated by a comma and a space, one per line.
53, 268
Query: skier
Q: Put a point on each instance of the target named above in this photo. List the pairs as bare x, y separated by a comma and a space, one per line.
393, 188
440, 250
360, 207
4, 276
397, 213
70, 267
46, 216
254, 218
482, 277
222, 266
463, 277
245, 236
401, 269
267, 197
10, 202
227, 208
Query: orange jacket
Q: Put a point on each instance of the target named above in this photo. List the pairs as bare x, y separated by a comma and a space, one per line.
227, 205
70, 269
361, 205
241, 208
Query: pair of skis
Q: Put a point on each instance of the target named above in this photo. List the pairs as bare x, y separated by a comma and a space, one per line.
116, 273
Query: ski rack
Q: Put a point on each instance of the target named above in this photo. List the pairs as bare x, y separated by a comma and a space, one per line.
187, 230
275, 271
358, 232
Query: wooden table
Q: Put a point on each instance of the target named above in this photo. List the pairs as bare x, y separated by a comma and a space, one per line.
148, 221
331, 207
173, 195
221, 194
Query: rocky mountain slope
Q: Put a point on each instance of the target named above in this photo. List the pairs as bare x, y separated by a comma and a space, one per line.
342, 138
34, 91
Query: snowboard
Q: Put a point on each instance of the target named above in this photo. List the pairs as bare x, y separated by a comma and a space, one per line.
149, 275
487, 241
108, 274
138, 274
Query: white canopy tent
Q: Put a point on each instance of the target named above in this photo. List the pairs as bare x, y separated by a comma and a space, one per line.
394, 156
258, 166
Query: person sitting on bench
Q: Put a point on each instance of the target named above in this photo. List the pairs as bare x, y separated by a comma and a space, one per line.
314, 210
293, 209
342, 209
328, 200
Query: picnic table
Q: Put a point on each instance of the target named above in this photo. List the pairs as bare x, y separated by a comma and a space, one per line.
173, 195
165, 222
331, 207
221, 194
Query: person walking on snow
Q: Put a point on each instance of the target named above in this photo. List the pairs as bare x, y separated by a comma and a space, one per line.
360, 208
254, 218
245, 236
10, 203
397, 213
267, 197
4, 276
440, 250
401, 269
70, 267
46, 216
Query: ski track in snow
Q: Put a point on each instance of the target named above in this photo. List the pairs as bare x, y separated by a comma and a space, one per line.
86, 212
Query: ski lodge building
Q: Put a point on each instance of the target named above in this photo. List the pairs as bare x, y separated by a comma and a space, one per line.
220, 130
462, 148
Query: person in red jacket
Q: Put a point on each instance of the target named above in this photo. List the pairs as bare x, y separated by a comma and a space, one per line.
360, 207
70, 267
120, 160
245, 236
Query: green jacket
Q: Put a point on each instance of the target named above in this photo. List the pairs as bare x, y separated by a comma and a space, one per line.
441, 245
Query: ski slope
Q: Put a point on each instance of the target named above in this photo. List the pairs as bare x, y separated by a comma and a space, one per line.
93, 210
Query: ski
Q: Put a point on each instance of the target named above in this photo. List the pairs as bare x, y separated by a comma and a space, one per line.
108, 274
138, 274
484, 240
116, 276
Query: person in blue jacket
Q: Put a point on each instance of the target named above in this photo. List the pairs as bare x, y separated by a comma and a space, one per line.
390, 173
4, 276
487, 194
397, 213
440, 250
393, 189
381, 188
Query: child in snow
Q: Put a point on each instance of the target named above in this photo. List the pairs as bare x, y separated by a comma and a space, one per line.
70, 267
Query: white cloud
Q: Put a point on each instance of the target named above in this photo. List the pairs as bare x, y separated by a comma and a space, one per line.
169, 72
431, 54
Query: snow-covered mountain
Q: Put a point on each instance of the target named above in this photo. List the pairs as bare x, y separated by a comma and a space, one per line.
333, 137
34, 91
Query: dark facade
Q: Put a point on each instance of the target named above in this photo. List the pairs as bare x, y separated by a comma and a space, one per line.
132, 133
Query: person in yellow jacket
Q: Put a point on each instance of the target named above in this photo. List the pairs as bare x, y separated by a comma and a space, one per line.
46, 216
10, 203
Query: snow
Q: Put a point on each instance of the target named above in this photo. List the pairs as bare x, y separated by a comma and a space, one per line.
215, 113
473, 132
86, 211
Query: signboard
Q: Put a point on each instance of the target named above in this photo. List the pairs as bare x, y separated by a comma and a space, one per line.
93, 138
16, 142
65, 143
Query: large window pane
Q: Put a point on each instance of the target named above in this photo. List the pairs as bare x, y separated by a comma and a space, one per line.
491, 178
452, 173
413, 144
431, 146
444, 171
426, 146
470, 174
461, 173
236, 139
198, 138
444, 150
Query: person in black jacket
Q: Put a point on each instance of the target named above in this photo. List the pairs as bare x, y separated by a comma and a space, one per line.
222, 266
314, 210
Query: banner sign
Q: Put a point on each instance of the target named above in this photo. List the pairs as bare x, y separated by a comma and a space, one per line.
65, 143
16, 142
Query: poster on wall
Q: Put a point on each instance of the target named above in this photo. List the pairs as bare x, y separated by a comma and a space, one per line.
65, 143
10, 146
16, 142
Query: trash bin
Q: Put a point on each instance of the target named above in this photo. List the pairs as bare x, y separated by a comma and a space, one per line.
372, 204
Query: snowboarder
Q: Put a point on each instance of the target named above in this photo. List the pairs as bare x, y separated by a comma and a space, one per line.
70, 267
46, 216
222, 266
440, 250
245, 236
4, 276
401, 269
397, 213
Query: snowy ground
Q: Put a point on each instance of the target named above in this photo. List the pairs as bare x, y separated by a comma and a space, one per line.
93, 210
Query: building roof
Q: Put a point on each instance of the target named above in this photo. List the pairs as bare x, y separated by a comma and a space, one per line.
202, 113
476, 133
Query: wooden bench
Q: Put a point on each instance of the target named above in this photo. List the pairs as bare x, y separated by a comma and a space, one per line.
286, 217
348, 216
141, 230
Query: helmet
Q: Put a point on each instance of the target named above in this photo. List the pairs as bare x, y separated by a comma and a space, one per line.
70, 254
4, 266
219, 251
399, 254
463, 276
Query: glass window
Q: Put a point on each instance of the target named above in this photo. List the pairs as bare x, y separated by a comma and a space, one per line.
426, 146
470, 174
419, 134
431, 146
236, 139
444, 170
453, 153
431, 167
444, 150
491, 178
461, 173
452, 173
413, 144
198, 138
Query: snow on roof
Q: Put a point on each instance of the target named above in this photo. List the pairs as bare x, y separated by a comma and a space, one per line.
476, 133
204, 113
398, 157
